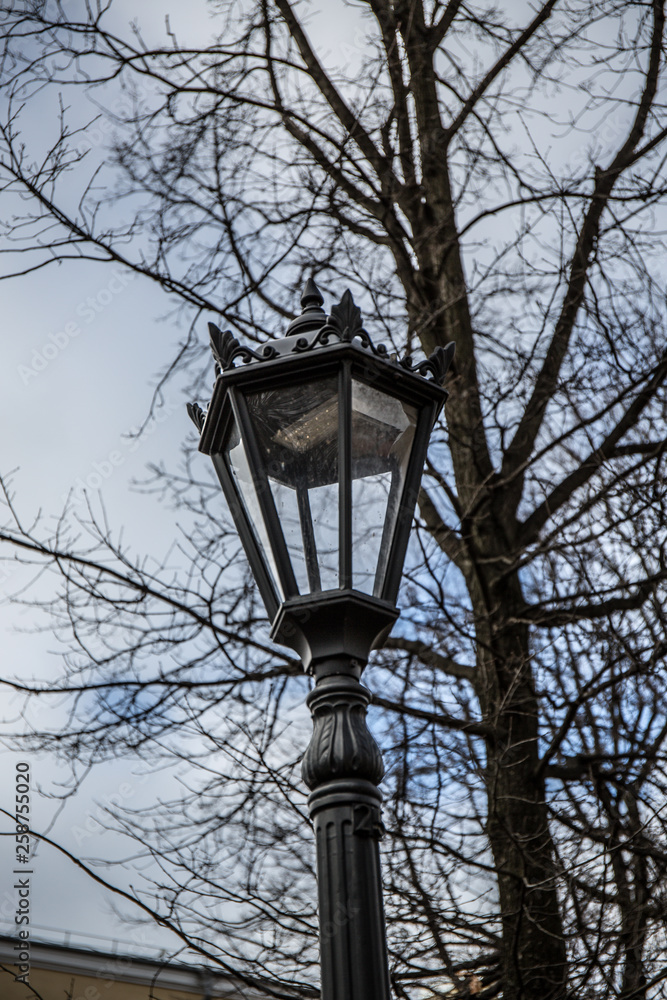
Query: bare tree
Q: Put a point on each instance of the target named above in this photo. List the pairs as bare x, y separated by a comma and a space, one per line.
493, 177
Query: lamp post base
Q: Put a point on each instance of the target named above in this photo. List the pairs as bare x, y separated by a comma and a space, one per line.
343, 767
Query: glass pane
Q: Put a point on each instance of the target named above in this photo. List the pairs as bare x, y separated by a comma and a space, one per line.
237, 463
297, 434
324, 512
383, 430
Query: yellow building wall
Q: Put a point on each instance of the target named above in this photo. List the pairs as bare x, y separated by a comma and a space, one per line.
48, 985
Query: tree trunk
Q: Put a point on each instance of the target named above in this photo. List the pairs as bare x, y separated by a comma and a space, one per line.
534, 956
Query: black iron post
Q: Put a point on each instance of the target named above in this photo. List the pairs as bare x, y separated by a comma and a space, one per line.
343, 767
274, 426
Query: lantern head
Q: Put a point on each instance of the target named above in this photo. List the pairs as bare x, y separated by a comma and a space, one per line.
319, 441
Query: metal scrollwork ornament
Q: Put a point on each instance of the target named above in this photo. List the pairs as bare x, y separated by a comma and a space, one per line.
344, 324
437, 365
226, 349
196, 414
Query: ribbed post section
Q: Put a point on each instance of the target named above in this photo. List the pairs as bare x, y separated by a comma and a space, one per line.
343, 766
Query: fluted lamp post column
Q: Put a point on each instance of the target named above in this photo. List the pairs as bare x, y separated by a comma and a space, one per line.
319, 440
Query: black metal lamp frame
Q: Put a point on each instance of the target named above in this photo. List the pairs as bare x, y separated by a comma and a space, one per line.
333, 631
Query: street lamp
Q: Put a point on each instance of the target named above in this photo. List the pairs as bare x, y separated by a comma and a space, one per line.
319, 441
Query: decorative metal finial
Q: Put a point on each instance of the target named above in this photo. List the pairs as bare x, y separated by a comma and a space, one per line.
311, 297
313, 316
346, 318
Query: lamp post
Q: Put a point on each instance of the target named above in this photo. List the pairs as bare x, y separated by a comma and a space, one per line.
319, 441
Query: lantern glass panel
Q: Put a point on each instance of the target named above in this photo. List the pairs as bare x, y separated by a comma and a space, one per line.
383, 430
237, 464
297, 434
